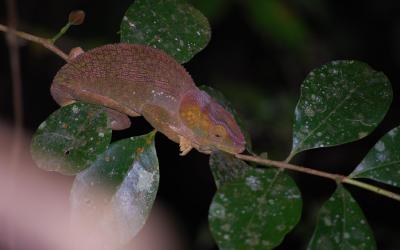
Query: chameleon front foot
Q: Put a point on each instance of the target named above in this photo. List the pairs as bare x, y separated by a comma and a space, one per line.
185, 146
119, 121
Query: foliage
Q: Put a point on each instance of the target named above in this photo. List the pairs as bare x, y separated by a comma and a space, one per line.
71, 138
340, 102
382, 163
253, 208
342, 225
116, 193
173, 26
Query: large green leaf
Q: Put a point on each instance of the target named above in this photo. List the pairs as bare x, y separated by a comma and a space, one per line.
226, 167
170, 25
221, 99
340, 102
382, 162
69, 140
342, 225
255, 211
115, 195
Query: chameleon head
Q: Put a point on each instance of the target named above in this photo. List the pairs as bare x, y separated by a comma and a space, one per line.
211, 125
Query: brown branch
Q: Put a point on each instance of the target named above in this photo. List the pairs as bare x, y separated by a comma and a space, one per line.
16, 144
15, 66
285, 165
336, 177
42, 41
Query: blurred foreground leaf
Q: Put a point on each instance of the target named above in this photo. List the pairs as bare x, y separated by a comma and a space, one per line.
170, 25
115, 195
340, 102
382, 162
255, 211
69, 140
342, 225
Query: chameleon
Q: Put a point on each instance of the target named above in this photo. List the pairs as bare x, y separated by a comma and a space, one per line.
139, 80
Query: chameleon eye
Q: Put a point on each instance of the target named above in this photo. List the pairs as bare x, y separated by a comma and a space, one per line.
219, 131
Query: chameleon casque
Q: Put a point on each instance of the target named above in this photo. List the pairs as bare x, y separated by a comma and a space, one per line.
135, 80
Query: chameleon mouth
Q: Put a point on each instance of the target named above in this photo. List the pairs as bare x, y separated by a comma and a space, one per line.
235, 149
228, 149
239, 149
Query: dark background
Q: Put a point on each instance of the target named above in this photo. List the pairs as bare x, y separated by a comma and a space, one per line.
259, 54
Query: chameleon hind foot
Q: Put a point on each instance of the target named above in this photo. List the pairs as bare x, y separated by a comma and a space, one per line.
184, 145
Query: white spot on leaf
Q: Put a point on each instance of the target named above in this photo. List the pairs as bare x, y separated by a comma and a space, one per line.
75, 109
217, 210
145, 181
42, 125
380, 146
254, 183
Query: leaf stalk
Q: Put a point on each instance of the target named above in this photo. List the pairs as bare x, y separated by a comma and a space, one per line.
61, 32
335, 177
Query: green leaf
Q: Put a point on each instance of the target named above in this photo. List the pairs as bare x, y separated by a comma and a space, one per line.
382, 162
226, 167
221, 99
342, 225
170, 25
340, 102
255, 211
115, 195
69, 140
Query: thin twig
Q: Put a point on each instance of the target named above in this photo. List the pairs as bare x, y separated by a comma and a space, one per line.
285, 165
371, 188
336, 177
62, 32
42, 41
15, 66
16, 144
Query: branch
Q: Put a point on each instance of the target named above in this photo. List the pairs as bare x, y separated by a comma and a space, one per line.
16, 144
336, 177
15, 68
47, 43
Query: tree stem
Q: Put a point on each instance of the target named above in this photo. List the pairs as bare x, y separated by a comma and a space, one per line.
336, 177
47, 43
16, 80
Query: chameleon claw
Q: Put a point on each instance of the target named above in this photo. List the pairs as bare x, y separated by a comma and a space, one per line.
184, 145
